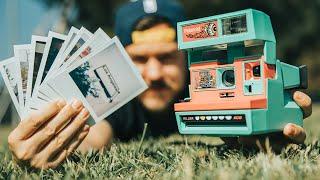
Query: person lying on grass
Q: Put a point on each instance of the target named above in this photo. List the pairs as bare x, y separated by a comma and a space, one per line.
42, 140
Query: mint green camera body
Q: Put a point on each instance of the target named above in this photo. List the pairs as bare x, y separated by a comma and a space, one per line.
240, 88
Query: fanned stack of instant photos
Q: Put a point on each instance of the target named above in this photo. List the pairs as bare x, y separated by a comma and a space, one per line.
90, 67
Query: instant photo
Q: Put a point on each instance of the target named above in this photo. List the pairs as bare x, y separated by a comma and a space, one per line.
99, 39
71, 35
104, 81
90, 67
8, 69
54, 49
54, 44
22, 53
36, 52
50, 53
82, 37
39, 49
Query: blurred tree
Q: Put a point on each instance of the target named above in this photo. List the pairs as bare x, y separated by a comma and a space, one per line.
295, 23
90, 14
84, 82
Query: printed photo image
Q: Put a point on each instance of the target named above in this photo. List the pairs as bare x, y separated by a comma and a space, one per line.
24, 65
100, 78
95, 82
71, 35
36, 50
82, 37
39, 49
104, 80
9, 69
22, 53
53, 52
74, 49
98, 40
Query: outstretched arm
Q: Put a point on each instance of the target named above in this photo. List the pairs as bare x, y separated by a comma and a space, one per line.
99, 136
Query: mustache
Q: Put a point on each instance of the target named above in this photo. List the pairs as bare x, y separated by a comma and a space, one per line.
158, 85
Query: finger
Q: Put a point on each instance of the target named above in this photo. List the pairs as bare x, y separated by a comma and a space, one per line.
69, 150
304, 101
42, 159
43, 136
295, 133
76, 142
36, 119
65, 136
64, 154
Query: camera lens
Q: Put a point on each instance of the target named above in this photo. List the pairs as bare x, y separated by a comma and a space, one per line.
256, 71
228, 78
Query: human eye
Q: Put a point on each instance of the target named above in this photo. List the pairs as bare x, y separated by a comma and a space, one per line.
167, 57
139, 59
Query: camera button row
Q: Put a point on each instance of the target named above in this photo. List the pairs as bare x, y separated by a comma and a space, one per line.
213, 118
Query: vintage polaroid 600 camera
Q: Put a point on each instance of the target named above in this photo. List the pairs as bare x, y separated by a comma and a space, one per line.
238, 87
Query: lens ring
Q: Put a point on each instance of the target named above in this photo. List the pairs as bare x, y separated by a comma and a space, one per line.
228, 78
256, 71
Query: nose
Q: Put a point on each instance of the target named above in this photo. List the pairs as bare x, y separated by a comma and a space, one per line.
153, 70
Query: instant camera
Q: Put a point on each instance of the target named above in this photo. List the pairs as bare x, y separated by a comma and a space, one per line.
237, 85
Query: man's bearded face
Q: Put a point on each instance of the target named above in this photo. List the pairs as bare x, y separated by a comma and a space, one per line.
163, 68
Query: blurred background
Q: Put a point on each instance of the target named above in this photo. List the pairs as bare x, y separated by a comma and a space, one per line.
295, 23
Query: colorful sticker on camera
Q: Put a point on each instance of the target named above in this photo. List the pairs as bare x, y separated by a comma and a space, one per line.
200, 31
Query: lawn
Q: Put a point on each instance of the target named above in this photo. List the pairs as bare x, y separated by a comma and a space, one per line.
177, 157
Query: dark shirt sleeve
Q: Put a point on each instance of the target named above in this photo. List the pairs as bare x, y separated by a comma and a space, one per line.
128, 122
125, 123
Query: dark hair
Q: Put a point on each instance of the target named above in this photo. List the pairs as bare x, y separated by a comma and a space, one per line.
149, 21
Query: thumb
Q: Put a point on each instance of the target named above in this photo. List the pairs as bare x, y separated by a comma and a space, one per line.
294, 132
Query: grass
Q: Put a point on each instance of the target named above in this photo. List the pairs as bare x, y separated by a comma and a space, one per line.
177, 157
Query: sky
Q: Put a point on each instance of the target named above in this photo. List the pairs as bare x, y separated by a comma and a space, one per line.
19, 19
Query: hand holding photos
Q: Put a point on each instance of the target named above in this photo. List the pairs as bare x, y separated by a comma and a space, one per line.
90, 67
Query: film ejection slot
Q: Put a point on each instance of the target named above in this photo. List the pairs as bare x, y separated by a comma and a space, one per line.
226, 94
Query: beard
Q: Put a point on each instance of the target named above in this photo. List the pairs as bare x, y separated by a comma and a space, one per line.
158, 97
